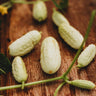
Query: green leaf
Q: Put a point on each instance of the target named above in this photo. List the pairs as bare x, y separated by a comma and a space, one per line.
55, 3
64, 4
5, 65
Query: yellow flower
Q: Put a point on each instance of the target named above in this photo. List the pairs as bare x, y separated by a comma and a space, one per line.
3, 10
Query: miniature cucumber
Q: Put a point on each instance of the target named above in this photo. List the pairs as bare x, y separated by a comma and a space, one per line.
19, 70
85, 84
58, 18
39, 11
50, 55
25, 44
86, 56
70, 35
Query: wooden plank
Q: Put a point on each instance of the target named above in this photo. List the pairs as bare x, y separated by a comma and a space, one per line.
20, 21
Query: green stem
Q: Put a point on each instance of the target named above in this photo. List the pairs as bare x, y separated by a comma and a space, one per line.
54, 9
6, 3
44, 0
9, 6
85, 38
23, 85
2, 71
23, 2
67, 81
29, 84
58, 88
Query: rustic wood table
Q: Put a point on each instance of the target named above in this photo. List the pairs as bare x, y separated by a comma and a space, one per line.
19, 21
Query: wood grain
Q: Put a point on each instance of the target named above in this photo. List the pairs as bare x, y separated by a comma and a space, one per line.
19, 21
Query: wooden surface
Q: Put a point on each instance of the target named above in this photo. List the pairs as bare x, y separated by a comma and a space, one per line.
19, 21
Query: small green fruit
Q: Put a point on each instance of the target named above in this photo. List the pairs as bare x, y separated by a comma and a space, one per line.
25, 44
39, 11
70, 35
58, 18
86, 56
19, 70
82, 84
50, 55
